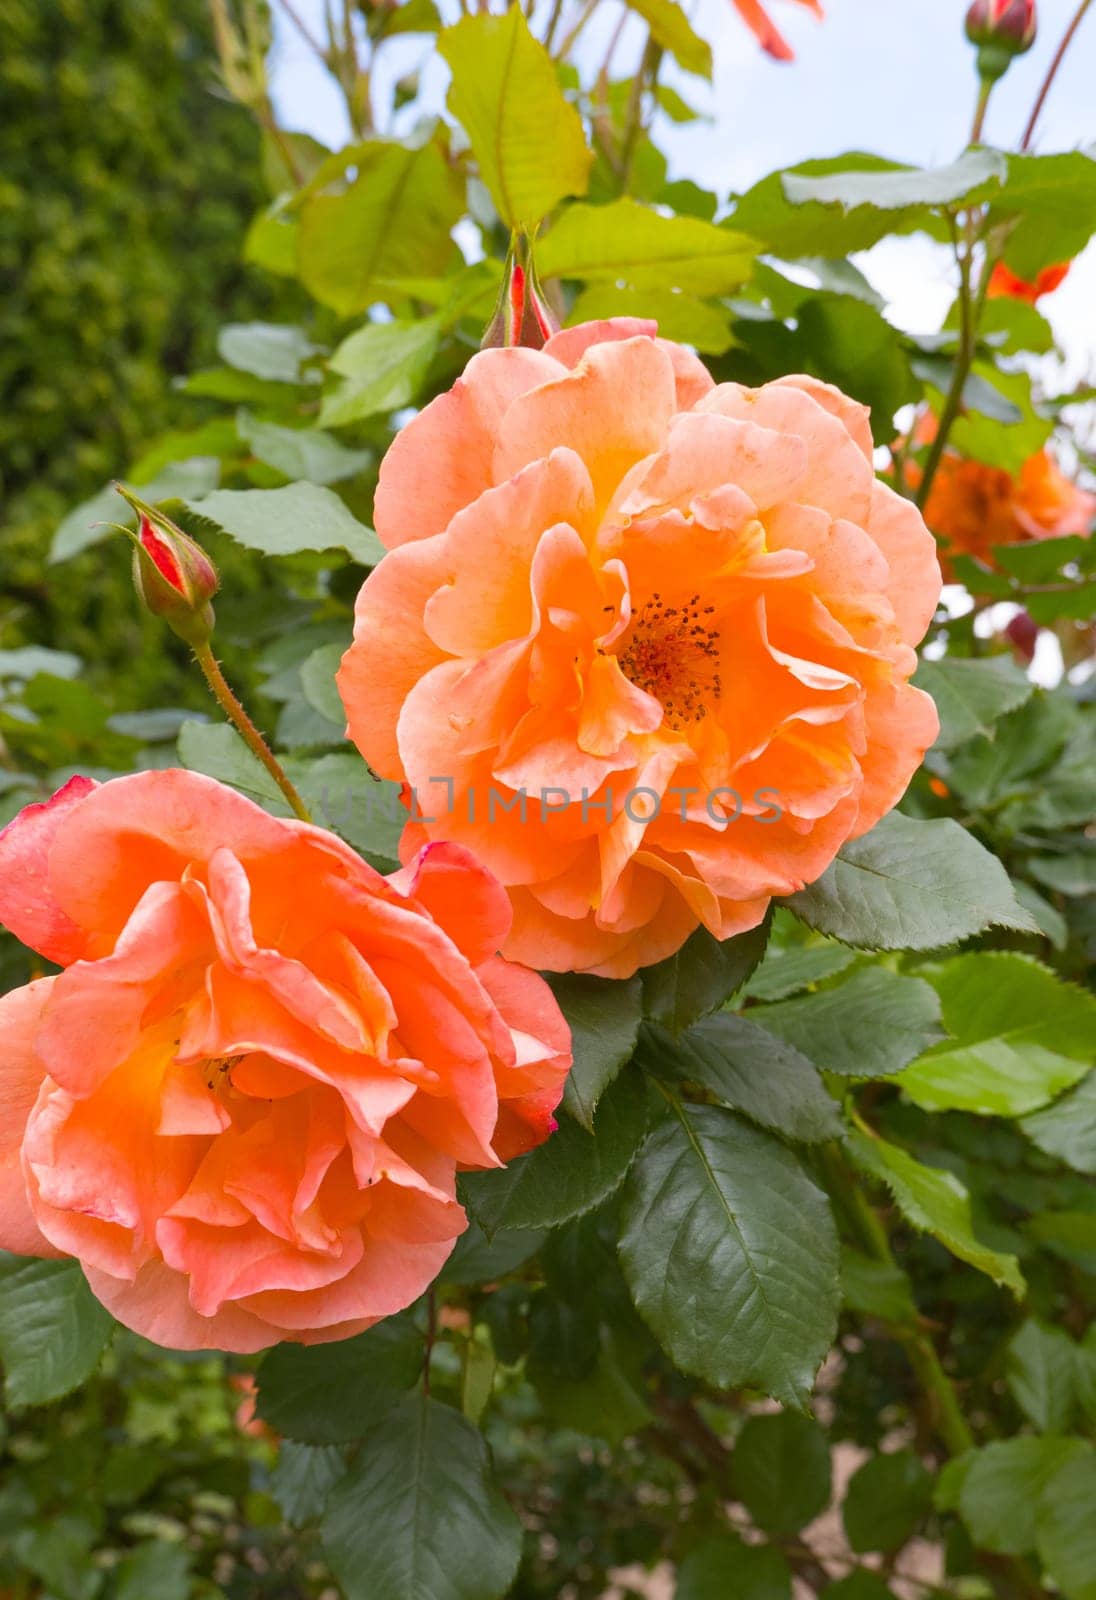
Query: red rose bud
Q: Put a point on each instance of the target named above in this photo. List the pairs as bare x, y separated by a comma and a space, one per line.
1001, 29
172, 574
522, 314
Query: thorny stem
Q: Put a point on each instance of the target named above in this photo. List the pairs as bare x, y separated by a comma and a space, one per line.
234, 711
1052, 73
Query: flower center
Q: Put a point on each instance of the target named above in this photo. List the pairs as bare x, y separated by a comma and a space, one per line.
216, 1070
672, 653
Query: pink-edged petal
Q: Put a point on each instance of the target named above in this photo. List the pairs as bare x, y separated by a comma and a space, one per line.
442, 460
463, 898
27, 904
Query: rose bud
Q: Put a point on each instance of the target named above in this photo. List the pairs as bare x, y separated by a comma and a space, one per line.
522, 314
1001, 29
172, 574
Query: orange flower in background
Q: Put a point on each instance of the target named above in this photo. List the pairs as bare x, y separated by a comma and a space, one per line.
974, 507
1004, 284
768, 36
242, 1107
614, 589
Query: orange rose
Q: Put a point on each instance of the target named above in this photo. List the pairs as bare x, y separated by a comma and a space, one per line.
1005, 285
612, 581
973, 506
761, 25
243, 1105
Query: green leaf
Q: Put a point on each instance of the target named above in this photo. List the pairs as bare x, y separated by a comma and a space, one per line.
268, 350
1049, 206
88, 523
785, 971
911, 885
971, 695
217, 750
679, 316
1065, 1528
869, 1025
605, 1403
392, 222
723, 1568
571, 1172
625, 240
301, 452
52, 1329
318, 680
795, 230
604, 1019
731, 1254
526, 138
701, 977
974, 177
478, 1259
1042, 1369
303, 1478
418, 1517
876, 1288
283, 522
1073, 875
478, 1370
157, 1571
849, 343
1021, 1036
1002, 1486
935, 1202
886, 1501
861, 1584
382, 367
343, 795
747, 1070
671, 28
1070, 1234
1067, 1129
781, 1471
327, 1394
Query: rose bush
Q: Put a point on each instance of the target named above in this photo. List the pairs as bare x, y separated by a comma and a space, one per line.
679, 618
243, 1103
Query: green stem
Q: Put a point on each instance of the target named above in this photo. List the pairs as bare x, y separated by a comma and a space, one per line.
249, 733
985, 89
1052, 73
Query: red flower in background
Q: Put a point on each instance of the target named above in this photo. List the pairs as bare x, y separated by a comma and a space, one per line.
769, 37
1005, 285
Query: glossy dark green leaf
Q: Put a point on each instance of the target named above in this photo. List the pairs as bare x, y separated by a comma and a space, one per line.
886, 1501
571, 1172
730, 1252
747, 1070
326, 1394
723, 1568
781, 1471
911, 885
418, 1516
868, 1025
701, 977
52, 1329
303, 1478
604, 1018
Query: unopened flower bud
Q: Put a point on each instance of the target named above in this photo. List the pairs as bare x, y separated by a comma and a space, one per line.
522, 315
173, 576
1001, 29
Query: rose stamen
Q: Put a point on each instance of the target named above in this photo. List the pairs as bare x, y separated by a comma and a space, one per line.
672, 653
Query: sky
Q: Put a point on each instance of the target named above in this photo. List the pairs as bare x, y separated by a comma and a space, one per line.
894, 77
